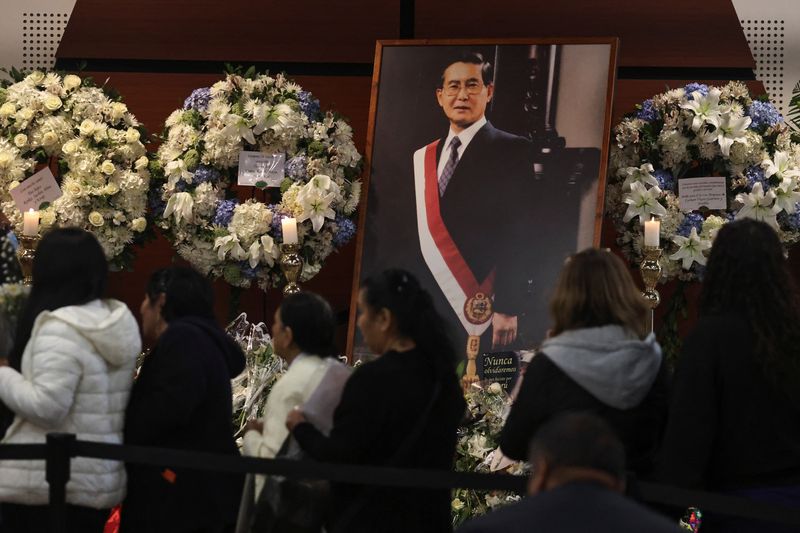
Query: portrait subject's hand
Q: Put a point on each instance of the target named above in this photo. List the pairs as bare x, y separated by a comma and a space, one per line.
294, 418
504, 329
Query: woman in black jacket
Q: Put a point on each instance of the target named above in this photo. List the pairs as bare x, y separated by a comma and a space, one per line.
734, 419
601, 357
182, 399
401, 409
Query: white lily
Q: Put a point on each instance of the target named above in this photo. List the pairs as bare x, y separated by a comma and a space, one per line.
729, 129
175, 171
781, 165
262, 249
787, 196
690, 249
269, 248
642, 174
643, 203
316, 207
758, 205
229, 244
236, 126
705, 108
181, 205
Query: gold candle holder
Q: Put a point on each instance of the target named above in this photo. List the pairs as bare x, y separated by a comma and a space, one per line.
26, 251
651, 273
291, 265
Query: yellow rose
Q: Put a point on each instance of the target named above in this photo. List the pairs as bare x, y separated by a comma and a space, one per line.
36, 76
71, 81
49, 138
87, 127
7, 109
457, 504
52, 102
20, 140
138, 224
132, 135
107, 167
96, 219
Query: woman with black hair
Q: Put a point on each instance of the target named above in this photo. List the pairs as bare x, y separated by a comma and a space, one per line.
401, 409
182, 399
302, 335
71, 371
734, 420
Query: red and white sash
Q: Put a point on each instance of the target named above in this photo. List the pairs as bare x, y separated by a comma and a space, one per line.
441, 254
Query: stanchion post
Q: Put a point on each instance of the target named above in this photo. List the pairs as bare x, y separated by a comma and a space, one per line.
59, 453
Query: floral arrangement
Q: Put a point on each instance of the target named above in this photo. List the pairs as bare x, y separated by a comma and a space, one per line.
477, 451
88, 135
696, 131
200, 213
12, 300
263, 368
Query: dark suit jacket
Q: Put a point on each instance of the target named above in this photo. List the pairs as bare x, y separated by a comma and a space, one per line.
572, 508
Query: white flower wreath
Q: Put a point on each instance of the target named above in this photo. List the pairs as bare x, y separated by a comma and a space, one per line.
237, 240
95, 143
697, 131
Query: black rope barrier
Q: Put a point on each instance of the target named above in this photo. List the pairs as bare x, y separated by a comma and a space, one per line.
60, 448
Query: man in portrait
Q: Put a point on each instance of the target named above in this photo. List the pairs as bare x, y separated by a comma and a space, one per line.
473, 192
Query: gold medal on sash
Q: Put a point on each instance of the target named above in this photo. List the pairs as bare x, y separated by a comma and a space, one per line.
478, 308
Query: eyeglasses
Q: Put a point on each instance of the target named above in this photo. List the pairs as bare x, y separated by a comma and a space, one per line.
472, 87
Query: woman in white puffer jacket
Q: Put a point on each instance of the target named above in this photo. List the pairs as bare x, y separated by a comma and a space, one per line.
71, 370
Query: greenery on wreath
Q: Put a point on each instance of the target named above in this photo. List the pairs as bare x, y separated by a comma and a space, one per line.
197, 208
696, 131
94, 144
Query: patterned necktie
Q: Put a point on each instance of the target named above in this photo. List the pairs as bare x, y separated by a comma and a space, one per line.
450, 166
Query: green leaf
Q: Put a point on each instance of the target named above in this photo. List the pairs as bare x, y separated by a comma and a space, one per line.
43, 206
261, 184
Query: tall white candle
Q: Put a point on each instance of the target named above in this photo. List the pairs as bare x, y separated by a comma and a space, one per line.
289, 226
651, 230
30, 223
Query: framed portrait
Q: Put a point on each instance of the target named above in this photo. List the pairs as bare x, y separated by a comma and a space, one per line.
486, 170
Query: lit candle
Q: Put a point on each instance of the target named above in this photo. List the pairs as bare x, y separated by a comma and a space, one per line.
30, 223
651, 230
289, 226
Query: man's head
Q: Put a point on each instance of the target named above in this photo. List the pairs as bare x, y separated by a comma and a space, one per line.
576, 447
466, 87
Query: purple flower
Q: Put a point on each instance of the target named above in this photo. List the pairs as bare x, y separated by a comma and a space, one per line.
763, 115
296, 167
666, 182
791, 220
247, 271
277, 217
648, 111
224, 212
755, 174
692, 220
198, 100
204, 174
695, 87
309, 105
345, 230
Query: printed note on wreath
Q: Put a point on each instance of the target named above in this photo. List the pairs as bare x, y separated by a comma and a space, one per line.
257, 167
36, 190
709, 192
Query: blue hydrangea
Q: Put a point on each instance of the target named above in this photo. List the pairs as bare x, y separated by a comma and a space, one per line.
791, 220
755, 174
296, 167
692, 220
695, 87
763, 115
309, 105
180, 186
277, 228
198, 100
247, 271
699, 270
155, 203
224, 212
666, 182
648, 111
204, 174
346, 229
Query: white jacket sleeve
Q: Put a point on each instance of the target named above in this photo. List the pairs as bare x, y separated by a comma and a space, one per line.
268, 443
47, 396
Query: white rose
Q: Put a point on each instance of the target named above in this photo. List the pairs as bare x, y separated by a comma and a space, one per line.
118, 110
74, 188
36, 76
7, 109
110, 189
138, 224
49, 138
141, 163
495, 388
47, 217
96, 219
52, 102
5, 159
26, 113
87, 127
70, 147
132, 135
20, 140
71, 81
13, 185
107, 167
457, 504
